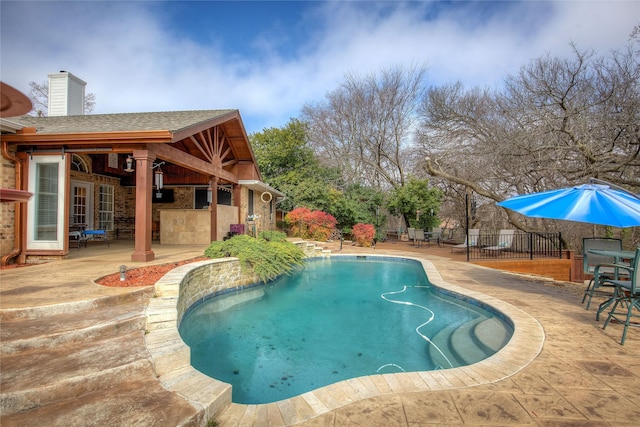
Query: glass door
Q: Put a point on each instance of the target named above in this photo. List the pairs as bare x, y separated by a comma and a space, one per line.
81, 208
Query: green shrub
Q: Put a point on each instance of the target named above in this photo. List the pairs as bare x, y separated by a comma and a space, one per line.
273, 236
268, 258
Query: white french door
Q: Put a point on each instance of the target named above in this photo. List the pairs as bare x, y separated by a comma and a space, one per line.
81, 204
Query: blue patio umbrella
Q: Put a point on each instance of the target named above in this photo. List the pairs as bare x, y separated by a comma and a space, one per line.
593, 203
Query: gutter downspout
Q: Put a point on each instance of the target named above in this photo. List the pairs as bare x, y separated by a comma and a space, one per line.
17, 242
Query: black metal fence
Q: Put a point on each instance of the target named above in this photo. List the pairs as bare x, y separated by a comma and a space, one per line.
516, 245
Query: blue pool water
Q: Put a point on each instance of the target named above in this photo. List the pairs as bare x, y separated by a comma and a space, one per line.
332, 320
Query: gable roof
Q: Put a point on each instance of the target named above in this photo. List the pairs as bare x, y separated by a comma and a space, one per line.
215, 137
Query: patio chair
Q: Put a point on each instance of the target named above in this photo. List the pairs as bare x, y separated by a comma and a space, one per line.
77, 239
626, 295
590, 262
434, 236
418, 237
412, 234
470, 241
505, 240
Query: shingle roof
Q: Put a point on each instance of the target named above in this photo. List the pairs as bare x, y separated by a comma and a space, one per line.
126, 122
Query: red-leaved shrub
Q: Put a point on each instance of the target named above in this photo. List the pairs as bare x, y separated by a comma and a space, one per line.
363, 234
308, 224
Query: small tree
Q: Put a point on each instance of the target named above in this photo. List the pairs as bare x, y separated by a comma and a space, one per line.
417, 202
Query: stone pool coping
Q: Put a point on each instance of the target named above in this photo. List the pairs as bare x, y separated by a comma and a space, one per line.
170, 356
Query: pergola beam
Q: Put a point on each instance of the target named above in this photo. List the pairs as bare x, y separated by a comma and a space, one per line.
186, 160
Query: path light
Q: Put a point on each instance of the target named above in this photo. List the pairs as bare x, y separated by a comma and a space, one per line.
123, 269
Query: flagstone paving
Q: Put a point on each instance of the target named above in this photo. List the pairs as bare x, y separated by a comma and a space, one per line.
73, 353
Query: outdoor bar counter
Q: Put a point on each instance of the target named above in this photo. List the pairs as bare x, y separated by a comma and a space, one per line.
193, 226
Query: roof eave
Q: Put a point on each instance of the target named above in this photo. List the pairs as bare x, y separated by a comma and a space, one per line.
257, 185
147, 137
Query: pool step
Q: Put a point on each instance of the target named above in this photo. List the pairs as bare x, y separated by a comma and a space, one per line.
469, 342
493, 334
465, 345
441, 352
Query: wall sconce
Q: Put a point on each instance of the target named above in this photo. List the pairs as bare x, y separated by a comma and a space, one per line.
130, 164
209, 194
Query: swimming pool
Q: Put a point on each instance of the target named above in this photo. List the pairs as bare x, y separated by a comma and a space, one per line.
278, 340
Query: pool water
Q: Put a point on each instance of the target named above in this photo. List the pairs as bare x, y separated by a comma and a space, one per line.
332, 320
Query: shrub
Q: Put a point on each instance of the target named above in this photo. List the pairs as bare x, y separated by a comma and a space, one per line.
272, 236
363, 234
309, 224
268, 259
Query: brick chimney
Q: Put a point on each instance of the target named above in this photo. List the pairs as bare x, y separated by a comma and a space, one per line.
66, 94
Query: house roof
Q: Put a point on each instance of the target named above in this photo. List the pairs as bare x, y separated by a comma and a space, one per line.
172, 121
215, 137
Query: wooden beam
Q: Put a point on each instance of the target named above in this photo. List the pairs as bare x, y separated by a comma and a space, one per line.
202, 150
188, 161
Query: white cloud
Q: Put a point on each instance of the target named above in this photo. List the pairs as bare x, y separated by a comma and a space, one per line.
133, 60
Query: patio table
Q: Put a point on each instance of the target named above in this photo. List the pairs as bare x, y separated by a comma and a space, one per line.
624, 258
102, 235
618, 255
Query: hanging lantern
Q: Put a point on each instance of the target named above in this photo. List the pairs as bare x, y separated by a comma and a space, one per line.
209, 194
159, 178
130, 164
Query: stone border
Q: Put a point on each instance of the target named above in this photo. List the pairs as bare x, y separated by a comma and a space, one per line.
175, 293
188, 284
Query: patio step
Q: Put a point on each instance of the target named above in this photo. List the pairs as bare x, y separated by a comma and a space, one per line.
83, 363
112, 317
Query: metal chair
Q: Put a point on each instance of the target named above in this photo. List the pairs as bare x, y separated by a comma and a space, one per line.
434, 236
591, 261
626, 295
418, 237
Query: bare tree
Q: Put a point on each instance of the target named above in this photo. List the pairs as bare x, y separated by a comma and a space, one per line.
556, 123
365, 126
39, 96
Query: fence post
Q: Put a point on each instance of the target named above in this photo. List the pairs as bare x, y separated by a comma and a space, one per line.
530, 245
560, 243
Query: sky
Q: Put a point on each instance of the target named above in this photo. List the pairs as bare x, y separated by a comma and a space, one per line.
269, 58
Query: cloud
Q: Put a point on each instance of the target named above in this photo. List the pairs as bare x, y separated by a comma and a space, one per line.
140, 56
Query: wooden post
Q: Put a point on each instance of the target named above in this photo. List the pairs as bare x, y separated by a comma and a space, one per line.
213, 208
144, 188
